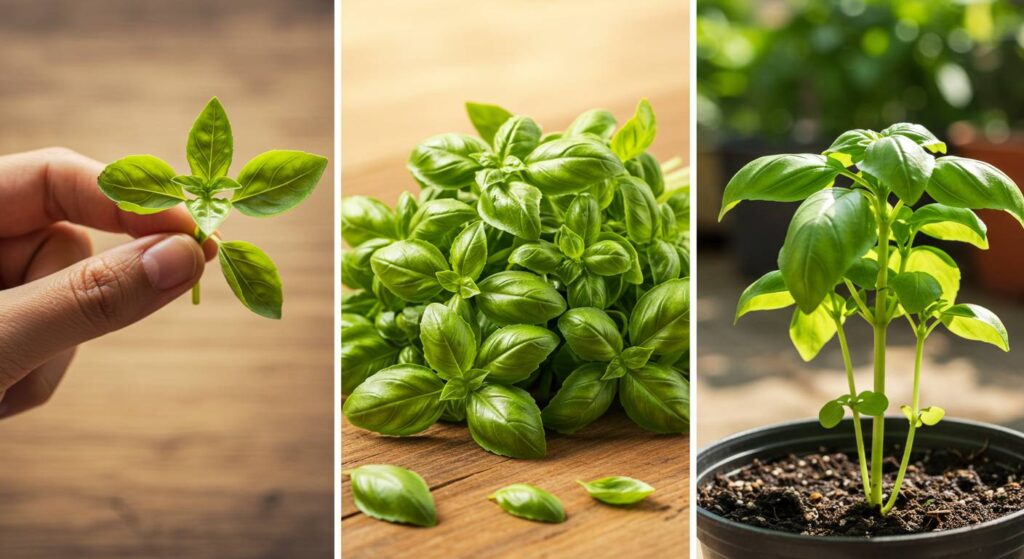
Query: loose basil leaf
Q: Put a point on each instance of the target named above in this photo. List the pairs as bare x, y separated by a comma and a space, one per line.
581, 400
967, 183
409, 268
617, 490
210, 144
363, 353
810, 332
609, 258
449, 345
540, 257
393, 494
364, 218
276, 181
975, 322
829, 232
664, 260
767, 293
400, 400
591, 334
252, 277
506, 421
919, 134
916, 290
636, 134
831, 414
595, 122
642, 213
445, 161
661, 318
899, 163
584, 218
141, 184
656, 398
570, 165
850, 145
519, 298
208, 213
518, 136
513, 208
529, 502
511, 353
950, 224
587, 290
487, 119
778, 178
439, 219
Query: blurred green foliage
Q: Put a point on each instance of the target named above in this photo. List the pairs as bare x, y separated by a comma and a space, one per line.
805, 70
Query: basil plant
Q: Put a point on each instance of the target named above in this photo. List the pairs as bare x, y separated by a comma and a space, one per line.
533, 279
856, 251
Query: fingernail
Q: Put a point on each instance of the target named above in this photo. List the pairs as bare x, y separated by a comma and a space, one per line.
170, 262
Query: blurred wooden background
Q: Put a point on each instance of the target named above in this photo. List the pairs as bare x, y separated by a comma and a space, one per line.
202, 431
407, 69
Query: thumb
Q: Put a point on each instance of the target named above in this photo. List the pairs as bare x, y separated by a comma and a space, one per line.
93, 297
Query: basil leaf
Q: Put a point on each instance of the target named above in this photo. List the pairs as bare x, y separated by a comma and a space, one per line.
582, 399
276, 181
664, 261
656, 398
355, 264
487, 119
529, 502
570, 165
872, 404
361, 302
646, 168
899, 164
445, 161
437, 221
208, 213
469, 251
849, 147
457, 389
518, 136
513, 208
967, 183
449, 345
519, 298
949, 224
364, 218
511, 353
570, 243
405, 209
363, 352
252, 277
767, 293
591, 334
540, 257
916, 290
210, 144
636, 134
635, 273
595, 122
141, 184
588, 290
400, 400
829, 232
642, 213
778, 178
831, 414
975, 322
932, 415
935, 263
393, 494
584, 218
919, 134
809, 332
506, 421
617, 490
409, 268
608, 258
661, 318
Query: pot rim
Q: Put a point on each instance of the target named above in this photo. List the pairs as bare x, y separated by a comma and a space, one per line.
709, 516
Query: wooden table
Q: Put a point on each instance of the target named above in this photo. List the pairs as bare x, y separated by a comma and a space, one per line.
201, 432
407, 68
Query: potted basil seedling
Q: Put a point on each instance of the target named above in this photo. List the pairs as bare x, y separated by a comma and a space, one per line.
535, 281
833, 487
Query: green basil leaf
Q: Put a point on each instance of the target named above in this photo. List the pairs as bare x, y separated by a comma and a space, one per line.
437, 221
635, 273
519, 298
141, 184
656, 398
850, 145
975, 322
570, 165
486, 119
646, 168
591, 334
540, 257
210, 144
950, 224
872, 404
584, 218
393, 494
664, 261
919, 134
445, 161
609, 258
635, 357
276, 181
864, 273
767, 293
511, 353
595, 122
581, 400
569, 271
449, 345
518, 136
405, 209
967, 183
457, 389
506, 421
779, 178
469, 251
642, 213
661, 318
354, 321
831, 414
900, 164
252, 276
636, 134
364, 352
570, 243
400, 400
617, 490
587, 290
829, 232
364, 218
935, 263
409, 268
916, 290
932, 415
513, 208
191, 184
208, 213
529, 502
362, 302
810, 332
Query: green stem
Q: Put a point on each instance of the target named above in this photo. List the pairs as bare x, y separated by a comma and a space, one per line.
880, 326
861, 455
915, 409
195, 293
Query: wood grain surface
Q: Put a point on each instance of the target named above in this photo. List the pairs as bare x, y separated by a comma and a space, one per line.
201, 432
407, 69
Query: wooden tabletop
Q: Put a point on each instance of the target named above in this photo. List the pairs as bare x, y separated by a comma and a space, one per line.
201, 431
407, 69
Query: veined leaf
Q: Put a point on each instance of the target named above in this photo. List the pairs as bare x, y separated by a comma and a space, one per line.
779, 178
252, 277
975, 322
967, 183
210, 144
276, 181
950, 224
767, 293
141, 184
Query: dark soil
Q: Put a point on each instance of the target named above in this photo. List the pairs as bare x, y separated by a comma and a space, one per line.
821, 494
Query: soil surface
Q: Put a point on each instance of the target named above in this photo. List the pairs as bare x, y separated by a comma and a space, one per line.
821, 494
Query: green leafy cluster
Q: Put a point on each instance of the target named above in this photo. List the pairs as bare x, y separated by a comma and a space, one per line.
854, 251
268, 184
514, 280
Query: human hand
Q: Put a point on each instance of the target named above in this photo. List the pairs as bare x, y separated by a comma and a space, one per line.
54, 294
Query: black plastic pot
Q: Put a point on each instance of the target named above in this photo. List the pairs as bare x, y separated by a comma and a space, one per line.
724, 539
